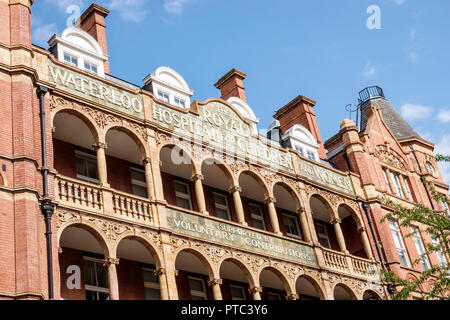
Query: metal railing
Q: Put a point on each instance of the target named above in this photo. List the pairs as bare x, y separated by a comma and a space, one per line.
370, 93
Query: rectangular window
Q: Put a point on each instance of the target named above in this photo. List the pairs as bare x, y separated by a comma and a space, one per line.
237, 292
387, 181
95, 279
397, 185
151, 284
179, 102
322, 234
439, 253
90, 67
70, 59
197, 288
408, 190
257, 216
221, 203
138, 182
273, 296
183, 195
445, 207
163, 96
292, 226
311, 155
86, 166
398, 240
300, 149
420, 248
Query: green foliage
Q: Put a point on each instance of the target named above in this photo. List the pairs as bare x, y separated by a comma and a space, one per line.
437, 224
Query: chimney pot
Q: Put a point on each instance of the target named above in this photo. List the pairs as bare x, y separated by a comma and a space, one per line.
232, 85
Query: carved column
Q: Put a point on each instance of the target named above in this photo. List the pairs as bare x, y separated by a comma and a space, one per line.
236, 192
112, 278
292, 296
273, 215
161, 274
199, 194
304, 224
339, 235
256, 292
215, 284
147, 163
366, 243
100, 148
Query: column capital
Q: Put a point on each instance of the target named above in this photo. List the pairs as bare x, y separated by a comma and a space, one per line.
361, 229
214, 282
234, 189
109, 261
197, 176
146, 160
269, 200
160, 271
255, 289
301, 210
336, 221
99, 145
292, 296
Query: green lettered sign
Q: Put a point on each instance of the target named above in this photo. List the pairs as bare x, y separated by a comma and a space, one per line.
245, 239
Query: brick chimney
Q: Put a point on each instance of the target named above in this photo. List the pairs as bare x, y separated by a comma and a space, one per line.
93, 22
231, 85
15, 24
300, 111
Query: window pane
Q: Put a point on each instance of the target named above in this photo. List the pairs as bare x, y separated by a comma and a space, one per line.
102, 275
223, 214
139, 191
258, 224
92, 169
181, 187
237, 292
195, 284
137, 175
324, 242
89, 273
149, 276
220, 199
81, 166
152, 294
256, 210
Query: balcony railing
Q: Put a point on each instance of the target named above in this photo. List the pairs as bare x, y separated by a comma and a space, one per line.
335, 260
132, 207
350, 264
74, 193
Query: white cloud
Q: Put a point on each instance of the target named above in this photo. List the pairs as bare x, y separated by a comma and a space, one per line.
411, 111
399, 2
413, 56
369, 70
42, 33
64, 4
444, 115
129, 10
175, 6
443, 147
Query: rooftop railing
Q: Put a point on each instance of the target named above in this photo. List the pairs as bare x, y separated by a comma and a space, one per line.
370, 93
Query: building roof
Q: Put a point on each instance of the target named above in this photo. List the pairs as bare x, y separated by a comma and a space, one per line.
399, 127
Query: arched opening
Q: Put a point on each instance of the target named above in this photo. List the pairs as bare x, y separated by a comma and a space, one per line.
176, 173
73, 138
352, 237
83, 273
308, 289
322, 217
216, 184
342, 292
287, 205
194, 273
124, 155
273, 284
253, 196
136, 271
371, 295
235, 280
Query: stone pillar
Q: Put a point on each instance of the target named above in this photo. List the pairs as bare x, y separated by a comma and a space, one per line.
304, 224
270, 201
161, 274
199, 195
236, 192
256, 292
113, 282
339, 235
366, 243
148, 177
215, 284
292, 296
100, 147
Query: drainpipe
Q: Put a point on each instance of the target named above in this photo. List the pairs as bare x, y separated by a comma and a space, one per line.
47, 207
420, 168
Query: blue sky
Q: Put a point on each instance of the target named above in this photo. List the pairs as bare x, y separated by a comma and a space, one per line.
321, 49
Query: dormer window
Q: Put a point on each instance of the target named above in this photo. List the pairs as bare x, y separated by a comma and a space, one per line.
311, 155
90, 67
70, 59
179, 102
303, 141
300, 149
163, 96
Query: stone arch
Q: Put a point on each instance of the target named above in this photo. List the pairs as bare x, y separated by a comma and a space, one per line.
280, 274
356, 215
223, 167
326, 203
186, 153
209, 268
346, 288
370, 295
142, 240
259, 179
93, 230
314, 282
136, 137
291, 190
84, 117
241, 265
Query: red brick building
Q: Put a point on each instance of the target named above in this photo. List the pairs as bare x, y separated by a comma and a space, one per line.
111, 190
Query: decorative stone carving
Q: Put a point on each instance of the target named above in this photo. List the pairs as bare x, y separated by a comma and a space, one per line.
112, 230
177, 243
214, 253
291, 270
389, 156
150, 235
63, 216
161, 138
140, 129
254, 262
